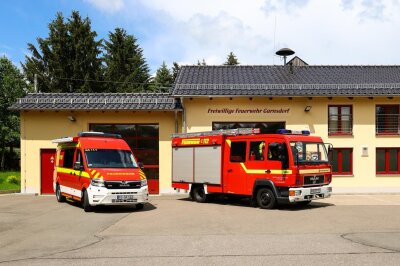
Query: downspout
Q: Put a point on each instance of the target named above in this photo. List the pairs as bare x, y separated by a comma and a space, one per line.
184, 116
176, 121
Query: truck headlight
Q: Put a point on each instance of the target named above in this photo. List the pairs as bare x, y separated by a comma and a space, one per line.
143, 182
97, 182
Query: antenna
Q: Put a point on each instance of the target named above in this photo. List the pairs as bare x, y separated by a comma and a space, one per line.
285, 52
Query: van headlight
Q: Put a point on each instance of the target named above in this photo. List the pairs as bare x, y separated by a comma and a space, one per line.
97, 182
143, 182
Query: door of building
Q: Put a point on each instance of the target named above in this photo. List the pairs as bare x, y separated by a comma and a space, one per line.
47, 160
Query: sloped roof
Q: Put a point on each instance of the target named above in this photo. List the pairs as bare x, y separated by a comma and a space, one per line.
96, 101
288, 81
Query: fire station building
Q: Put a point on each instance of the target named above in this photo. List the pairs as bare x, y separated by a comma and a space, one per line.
355, 108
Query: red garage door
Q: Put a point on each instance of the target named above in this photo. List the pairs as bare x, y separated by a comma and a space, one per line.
47, 159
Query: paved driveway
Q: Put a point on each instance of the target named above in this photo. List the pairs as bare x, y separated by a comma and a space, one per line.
343, 230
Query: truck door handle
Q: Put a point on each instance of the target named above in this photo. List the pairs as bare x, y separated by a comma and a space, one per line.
268, 171
230, 170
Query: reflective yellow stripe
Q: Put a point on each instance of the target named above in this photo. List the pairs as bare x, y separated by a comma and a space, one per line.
93, 171
262, 171
96, 175
72, 171
315, 171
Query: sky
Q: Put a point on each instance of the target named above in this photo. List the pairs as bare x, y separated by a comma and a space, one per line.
321, 32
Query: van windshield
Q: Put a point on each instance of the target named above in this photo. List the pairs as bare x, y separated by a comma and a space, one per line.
309, 152
105, 158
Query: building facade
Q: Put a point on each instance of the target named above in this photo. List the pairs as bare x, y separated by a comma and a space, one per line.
355, 108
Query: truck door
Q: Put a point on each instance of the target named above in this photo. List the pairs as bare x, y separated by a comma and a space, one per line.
277, 161
234, 174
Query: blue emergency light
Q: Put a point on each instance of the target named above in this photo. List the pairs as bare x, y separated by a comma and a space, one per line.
293, 132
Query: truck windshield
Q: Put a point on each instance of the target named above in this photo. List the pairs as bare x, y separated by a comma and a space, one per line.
104, 158
308, 152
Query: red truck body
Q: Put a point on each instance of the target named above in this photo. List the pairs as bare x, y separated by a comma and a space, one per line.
286, 167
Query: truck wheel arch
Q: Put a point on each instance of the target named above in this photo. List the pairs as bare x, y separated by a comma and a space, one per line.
263, 183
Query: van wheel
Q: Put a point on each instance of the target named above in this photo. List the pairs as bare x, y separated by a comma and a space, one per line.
139, 206
266, 199
85, 202
199, 195
59, 196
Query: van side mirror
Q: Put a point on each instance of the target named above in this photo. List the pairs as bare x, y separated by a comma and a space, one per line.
330, 147
78, 166
141, 166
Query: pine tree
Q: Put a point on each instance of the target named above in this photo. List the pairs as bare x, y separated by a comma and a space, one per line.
175, 70
231, 60
163, 79
68, 59
125, 63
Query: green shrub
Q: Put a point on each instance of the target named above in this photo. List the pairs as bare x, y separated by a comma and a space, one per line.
12, 179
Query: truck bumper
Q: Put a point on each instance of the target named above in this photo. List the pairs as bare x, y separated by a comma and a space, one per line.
104, 196
309, 193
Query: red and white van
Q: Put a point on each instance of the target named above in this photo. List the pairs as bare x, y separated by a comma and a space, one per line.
98, 169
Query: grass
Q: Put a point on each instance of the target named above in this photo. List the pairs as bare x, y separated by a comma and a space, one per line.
5, 185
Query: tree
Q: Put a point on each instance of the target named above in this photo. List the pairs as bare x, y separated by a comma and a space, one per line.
164, 78
125, 63
67, 60
175, 70
202, 63
12, 86
231, 60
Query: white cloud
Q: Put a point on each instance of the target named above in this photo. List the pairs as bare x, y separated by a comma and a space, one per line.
321, 32
107, 6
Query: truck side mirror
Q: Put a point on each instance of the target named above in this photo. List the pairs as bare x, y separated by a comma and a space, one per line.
78, 166
141, 166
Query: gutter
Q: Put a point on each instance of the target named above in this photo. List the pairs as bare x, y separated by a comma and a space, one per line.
184, 116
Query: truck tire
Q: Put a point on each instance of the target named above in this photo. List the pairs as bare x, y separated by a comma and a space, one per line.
85, 202
59, 196
199, 195
266, 198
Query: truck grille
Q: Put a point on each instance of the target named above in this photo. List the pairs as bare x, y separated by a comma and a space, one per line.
313, 179
122, 184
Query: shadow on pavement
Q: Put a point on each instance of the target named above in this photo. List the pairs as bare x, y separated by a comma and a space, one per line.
246, 202
114, 209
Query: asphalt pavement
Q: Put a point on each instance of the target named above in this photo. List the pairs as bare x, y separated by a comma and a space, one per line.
342, 230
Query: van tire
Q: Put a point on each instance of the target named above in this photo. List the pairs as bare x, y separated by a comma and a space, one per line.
85, 202
266, 198
199, 195
59, 196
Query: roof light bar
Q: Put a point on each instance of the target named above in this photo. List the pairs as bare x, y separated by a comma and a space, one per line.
293, 132
63, 140
99, 134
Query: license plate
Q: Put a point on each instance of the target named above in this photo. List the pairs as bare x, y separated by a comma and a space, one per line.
315, 190
125, 197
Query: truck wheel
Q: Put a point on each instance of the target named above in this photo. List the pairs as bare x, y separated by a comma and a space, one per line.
266, 199
59, 196
139, 206
85, 202
199, 195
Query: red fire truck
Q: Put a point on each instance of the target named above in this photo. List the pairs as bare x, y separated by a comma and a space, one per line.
290, 166
98, 169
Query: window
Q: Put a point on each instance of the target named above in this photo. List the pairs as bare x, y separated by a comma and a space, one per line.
67, 158
387, 119
238, 152
387, 161
342, 161
256, 152
340, 120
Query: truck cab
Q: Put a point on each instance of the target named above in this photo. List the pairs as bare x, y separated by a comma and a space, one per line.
98, 169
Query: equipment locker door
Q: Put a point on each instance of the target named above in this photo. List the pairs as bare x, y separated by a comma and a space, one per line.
47, 160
